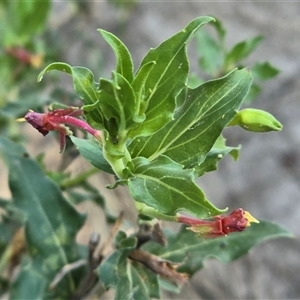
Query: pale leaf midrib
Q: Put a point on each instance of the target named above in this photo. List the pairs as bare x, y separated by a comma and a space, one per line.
200, 115
156, 86
79, 80
199, 133
145, 177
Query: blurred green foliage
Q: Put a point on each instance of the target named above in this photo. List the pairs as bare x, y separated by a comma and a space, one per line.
23, 50
216, 60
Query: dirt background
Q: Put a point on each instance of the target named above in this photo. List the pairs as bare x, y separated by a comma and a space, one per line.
265, 181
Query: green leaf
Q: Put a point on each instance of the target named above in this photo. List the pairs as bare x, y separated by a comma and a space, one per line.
124, 61
190, 251
84, 85
51, 222
264, 71
83, 80
149, 280
126, 242
241, 50
22, 20
122, 276
29, 284
169, 286
217, 152
182, 96
11, 220
167, 77
198, 122
120, 273
165, 186
117, 101
11, 212
221, 31
209, 51
138, 86
92, 152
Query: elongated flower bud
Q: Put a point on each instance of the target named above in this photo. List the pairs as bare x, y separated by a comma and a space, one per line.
256, 120
238, 220
56, 119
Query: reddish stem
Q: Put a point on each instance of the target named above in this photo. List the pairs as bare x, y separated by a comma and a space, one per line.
76, 122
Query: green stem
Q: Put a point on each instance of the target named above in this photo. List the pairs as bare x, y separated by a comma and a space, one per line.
116, 154
5, 258
144, 209
79, 179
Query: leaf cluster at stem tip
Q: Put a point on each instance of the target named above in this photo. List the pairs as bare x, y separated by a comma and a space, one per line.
159, 135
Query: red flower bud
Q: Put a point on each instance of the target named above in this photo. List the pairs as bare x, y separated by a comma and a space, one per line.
238, 220
56, 119
25, 57
38, 121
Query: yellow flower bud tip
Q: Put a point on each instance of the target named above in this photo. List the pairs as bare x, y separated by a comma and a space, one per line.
250, 219
21, 120
36, 60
